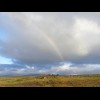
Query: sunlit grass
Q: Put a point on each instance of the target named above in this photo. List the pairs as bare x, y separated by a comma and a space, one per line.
51, 81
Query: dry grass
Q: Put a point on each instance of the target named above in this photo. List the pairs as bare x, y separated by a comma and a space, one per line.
51, 81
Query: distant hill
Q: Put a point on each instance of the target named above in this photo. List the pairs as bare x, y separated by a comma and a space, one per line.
11, 75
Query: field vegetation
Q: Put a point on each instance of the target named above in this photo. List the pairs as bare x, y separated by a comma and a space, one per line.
51, 81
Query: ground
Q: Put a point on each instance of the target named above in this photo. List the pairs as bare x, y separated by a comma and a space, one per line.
51, 81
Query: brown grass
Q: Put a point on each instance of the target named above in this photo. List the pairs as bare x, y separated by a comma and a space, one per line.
51, 81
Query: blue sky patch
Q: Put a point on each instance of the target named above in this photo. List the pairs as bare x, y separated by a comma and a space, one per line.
4, 60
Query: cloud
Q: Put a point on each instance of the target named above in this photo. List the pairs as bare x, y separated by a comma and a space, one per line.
46, 38
62, 69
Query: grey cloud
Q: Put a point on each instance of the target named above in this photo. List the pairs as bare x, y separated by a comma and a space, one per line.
61, 68
45, 38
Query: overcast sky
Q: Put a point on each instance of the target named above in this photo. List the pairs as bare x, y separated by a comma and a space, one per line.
49, 43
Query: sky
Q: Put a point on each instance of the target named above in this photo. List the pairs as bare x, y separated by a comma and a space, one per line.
49, 43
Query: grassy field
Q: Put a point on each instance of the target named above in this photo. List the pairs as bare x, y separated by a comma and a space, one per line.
51, 81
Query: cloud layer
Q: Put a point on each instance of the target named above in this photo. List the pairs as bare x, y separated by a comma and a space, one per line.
61, 68
51, 37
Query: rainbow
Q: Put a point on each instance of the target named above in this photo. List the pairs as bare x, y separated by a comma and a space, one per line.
50, 40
